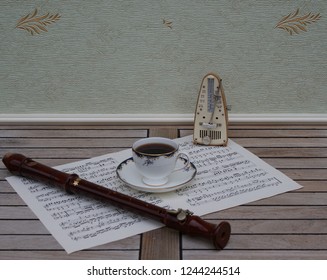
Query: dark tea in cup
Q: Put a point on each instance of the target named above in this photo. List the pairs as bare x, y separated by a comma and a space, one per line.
155, 149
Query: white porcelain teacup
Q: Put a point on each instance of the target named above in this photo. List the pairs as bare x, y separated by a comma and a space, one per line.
155, 159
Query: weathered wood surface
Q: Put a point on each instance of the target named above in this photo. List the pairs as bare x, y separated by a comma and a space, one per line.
288, 226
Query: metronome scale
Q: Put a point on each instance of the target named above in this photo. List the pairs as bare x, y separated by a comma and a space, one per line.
211, 117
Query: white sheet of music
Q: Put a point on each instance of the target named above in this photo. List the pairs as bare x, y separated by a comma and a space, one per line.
226, 177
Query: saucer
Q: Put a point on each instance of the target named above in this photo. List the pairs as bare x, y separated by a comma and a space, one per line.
126, 171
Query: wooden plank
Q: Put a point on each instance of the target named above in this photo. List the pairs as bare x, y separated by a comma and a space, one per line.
275, 133
168, 132
62, 255
295, 152
73, 152
226, 254
28, 242
282, 126
162, 243
22, 227
312, 186
4, 173
294, 198
305, 174
11, 199
88, 126
67, 142
185, 132
297, 162
73, 133
47, 242
296, 226
282, 142
14, 213
5, 187
264, 242
67, 126
271, 212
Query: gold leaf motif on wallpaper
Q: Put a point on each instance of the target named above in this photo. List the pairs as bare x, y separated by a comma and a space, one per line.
293, 23
35, 24
168, 23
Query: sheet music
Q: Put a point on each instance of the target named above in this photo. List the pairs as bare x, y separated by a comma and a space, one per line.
226, 177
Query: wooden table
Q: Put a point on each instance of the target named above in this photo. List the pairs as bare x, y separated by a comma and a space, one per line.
288, 226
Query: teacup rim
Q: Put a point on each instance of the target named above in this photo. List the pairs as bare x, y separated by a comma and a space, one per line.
176, 146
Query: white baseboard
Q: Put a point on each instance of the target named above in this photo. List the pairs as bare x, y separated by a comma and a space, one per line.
160, 119
279, 118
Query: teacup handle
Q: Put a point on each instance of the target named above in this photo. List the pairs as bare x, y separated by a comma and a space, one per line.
186, 160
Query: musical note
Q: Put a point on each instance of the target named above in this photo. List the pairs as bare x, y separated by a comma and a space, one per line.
222, 174
226, 176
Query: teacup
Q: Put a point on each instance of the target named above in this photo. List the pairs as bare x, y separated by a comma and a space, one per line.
155, 159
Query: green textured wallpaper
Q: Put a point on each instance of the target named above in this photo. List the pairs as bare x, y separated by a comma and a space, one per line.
105, 56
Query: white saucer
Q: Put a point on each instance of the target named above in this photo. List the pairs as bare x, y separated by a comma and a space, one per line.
126, 171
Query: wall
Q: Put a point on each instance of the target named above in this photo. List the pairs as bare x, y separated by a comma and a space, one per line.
135, 57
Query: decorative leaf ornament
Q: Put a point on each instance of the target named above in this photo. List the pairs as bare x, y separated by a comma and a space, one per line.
168, 23
35, 24
294, 23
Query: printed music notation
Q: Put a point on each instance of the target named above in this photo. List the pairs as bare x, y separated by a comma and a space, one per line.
226, 177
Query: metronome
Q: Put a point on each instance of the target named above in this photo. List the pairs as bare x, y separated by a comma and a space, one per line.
211, 117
